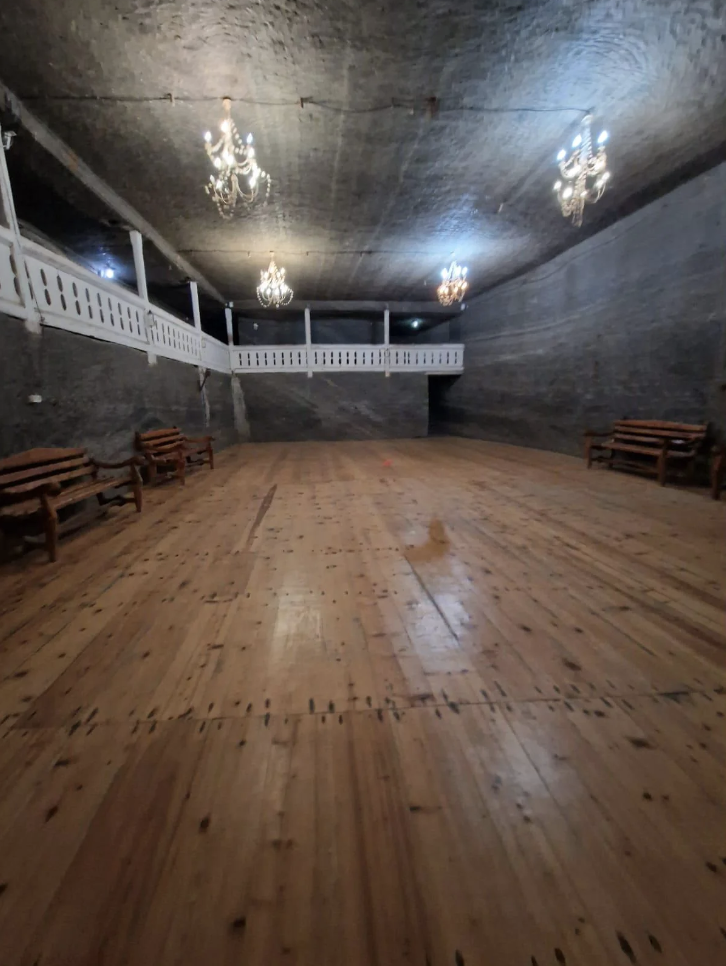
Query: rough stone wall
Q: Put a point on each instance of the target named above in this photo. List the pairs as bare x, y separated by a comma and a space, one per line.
630, 323
292, 331
96, 394
351, 405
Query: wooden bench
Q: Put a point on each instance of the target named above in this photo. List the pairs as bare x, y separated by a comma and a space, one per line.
647, 445
718, 471
170, 451
36, 484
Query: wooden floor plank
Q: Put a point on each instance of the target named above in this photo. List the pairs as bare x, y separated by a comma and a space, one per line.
423, 702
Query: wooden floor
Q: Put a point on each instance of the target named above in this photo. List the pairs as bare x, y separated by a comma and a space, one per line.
437, 702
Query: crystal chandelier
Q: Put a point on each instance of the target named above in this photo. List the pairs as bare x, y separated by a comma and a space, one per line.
453, 285
273, 291
584, 173
237, 175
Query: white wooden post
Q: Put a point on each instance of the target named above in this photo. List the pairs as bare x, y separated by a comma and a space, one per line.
230, 334
387, 339
137, 246
32, 316
308, 341
196, 315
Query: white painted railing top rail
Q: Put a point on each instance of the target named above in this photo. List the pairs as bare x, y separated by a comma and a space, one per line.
342, 358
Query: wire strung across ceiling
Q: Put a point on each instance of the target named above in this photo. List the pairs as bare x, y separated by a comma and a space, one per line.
428, 105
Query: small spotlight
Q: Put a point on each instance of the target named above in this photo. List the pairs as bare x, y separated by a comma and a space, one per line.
577, 142
108, 273
416, 323
562, 155
603, 137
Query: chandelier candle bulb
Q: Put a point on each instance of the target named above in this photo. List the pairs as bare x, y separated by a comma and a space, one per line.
584, 173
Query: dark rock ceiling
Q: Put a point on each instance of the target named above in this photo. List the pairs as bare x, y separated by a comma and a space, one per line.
371, 193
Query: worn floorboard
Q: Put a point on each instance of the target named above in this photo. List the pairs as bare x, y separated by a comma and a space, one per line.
438, 702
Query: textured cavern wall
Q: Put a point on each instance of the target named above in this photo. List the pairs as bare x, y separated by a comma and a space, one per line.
292, 331
96, 394
629, 323
350, 405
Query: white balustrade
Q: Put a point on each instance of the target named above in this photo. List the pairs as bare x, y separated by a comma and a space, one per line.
10, 298
348, 358
279, 358
70, 296
172, 338
427, 358
215, 354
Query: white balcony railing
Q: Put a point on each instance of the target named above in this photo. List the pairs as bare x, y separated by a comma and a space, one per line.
10, 298
432, 359
69, 296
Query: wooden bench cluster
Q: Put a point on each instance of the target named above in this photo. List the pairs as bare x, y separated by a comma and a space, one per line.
647, 445
170, 451
37, 484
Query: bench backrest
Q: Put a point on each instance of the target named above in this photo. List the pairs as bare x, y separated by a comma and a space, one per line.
160, 440
62, 466
653, 432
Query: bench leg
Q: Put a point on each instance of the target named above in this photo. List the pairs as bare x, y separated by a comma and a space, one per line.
588, 452
210, 453
136, 487
718, 468
50, 522
662, 459
181, 470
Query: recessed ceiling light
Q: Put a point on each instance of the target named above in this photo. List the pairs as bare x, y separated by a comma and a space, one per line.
108, 273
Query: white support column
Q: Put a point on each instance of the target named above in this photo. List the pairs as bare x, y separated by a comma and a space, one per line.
30, 307
196, 314
308, 341
137, 246
230, 333
387, 339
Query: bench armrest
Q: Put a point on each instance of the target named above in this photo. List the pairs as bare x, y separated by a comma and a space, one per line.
26, 491
132, 461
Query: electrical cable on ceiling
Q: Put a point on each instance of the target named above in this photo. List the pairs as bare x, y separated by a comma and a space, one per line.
280, 251
428, 105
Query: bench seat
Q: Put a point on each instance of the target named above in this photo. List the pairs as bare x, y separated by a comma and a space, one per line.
36, 484
657, 443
